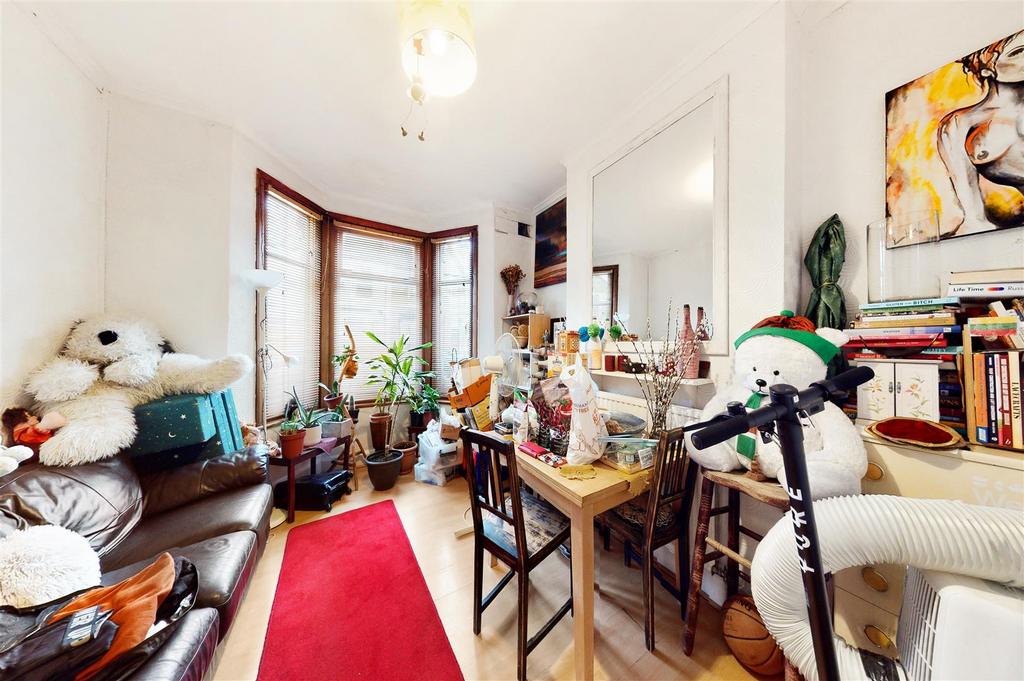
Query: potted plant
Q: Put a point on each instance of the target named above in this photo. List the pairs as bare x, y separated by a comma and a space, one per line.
423, 405
332, 395
291, 439
396, 374
309, 419
335, 423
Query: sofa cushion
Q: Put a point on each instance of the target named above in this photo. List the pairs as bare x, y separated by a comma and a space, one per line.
247, 508
225, 565
189, 654
101, 501
175, 487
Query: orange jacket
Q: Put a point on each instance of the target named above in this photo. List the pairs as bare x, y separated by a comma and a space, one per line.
134, 602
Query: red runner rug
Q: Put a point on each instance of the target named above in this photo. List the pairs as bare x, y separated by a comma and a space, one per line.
351, 603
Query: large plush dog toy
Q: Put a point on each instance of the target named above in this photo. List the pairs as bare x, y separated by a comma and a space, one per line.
110, 365
788, 349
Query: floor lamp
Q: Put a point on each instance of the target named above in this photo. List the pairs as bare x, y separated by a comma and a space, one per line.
263, 281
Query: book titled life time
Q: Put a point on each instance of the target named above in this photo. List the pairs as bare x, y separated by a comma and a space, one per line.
993, 290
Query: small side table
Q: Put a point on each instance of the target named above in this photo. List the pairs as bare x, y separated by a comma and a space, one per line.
414, 433
308, 454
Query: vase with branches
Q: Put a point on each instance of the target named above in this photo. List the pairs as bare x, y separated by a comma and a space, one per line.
667, 366
511, 275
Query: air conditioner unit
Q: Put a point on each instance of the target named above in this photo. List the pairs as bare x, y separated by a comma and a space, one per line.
955, 627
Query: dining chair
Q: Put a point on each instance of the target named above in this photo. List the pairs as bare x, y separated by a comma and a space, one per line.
521, 530
663, 519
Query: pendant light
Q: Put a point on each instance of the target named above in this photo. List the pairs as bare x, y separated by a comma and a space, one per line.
438, 49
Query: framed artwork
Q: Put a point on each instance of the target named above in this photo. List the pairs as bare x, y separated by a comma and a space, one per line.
550, 247
954, 145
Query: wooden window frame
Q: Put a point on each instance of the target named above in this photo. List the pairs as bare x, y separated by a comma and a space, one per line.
330, 223
614, 270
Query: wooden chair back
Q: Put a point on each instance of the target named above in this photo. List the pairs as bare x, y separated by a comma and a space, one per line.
489, 489
668, 480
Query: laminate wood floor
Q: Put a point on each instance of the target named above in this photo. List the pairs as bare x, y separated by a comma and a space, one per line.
431, 516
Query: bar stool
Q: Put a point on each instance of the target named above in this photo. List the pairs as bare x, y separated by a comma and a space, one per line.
736, 484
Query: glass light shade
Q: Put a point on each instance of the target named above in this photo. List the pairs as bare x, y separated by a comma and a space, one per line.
262, 280
438, 46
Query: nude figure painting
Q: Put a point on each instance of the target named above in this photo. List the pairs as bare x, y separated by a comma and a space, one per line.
954, 143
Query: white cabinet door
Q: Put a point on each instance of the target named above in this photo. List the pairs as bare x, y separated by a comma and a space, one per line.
917, 391
876, 398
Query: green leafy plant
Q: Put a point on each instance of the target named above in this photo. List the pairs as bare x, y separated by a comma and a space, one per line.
290, 427
426, 400
615, 331
332, 391
397, 374
306, 418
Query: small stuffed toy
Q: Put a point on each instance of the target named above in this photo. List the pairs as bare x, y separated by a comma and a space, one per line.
25, 428
109, 365
787, 349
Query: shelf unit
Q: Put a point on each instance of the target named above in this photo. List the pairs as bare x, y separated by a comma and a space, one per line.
538, 325
968, 396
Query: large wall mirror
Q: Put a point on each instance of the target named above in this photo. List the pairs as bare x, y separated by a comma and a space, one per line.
660, 223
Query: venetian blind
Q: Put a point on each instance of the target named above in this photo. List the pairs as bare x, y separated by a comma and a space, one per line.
378, 288
602, 305
453, 305
293, 307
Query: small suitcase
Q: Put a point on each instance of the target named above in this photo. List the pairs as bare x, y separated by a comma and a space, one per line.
314, 492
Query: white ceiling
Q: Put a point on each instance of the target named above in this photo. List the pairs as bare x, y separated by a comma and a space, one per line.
321, 85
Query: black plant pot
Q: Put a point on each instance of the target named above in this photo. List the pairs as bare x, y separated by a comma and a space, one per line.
416, 419
384, 469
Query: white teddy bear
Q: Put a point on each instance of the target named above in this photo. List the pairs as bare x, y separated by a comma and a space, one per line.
109, 365
788, 349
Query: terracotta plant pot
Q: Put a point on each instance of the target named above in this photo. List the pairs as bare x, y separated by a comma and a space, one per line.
291, 443
383, 469
380, 424
408, 448
334, 401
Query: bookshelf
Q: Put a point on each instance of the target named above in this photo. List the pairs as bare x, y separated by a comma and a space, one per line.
970, 383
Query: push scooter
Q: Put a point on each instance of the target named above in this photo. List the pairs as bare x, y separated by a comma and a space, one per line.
781, 418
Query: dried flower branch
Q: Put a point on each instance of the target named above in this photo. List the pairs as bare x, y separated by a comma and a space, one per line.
664, 373
512, 275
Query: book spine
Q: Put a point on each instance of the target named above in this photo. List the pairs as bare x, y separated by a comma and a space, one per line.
992, 388
1005, 424
1016, 398
980, 400
920, 302
988, 290
884, 331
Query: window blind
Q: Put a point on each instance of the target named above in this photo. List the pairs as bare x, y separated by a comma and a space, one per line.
292, 241
378, 288
453, 305
602, 296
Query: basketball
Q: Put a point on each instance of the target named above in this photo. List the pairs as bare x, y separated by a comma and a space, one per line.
748, 638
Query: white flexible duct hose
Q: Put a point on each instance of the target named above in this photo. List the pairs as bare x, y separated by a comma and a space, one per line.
949, 536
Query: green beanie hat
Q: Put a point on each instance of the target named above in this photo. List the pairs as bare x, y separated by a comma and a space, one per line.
789, 325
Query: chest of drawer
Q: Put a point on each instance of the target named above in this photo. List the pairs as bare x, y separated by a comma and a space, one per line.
864, 625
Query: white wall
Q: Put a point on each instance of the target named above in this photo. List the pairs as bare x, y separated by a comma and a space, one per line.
168, 208
51, 241
852, 56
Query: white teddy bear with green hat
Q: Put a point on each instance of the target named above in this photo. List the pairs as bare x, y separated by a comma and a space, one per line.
788, 349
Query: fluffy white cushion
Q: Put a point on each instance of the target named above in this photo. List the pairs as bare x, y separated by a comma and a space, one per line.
43, 563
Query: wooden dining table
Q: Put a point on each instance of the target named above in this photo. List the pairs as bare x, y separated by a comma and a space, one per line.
580, 501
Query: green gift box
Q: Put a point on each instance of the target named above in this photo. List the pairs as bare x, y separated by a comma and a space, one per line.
184, 428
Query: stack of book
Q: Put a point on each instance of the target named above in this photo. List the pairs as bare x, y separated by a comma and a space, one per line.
925, 330
997, 284
997, 398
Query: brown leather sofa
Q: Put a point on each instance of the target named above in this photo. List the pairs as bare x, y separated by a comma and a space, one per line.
216, 513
